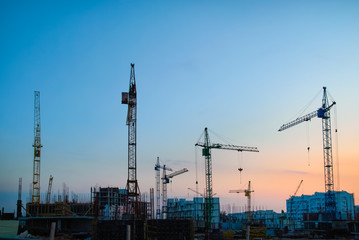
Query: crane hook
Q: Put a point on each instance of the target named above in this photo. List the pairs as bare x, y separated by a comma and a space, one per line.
240, 175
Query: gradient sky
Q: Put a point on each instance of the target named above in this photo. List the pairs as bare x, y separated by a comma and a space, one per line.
240, 68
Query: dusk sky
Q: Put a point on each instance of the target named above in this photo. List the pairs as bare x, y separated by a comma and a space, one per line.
240, 68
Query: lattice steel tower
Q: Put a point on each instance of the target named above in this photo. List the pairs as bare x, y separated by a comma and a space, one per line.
37, 150
324, 113
206, 152
133, 190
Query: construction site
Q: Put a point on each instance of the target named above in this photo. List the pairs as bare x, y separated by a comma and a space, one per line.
116, 213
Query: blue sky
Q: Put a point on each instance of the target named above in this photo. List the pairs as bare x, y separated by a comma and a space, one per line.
240, 68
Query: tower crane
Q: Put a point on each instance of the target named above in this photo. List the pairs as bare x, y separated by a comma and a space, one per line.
202, 195
133, 190
158, 190
165, 180
158, 168
291, 204
48, 196
206, 152
37, 150
247, 192
324, 113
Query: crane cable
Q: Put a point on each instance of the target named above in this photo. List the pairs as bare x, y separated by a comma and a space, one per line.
336, 140
336, 146
196, 165
308, 143
301, 111
227, 141
240, 169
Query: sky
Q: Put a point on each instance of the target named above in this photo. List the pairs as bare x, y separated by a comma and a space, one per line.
240, 68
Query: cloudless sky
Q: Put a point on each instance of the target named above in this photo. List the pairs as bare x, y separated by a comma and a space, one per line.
240, 68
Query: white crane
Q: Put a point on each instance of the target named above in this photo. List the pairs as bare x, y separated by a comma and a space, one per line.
166, 179
158, 168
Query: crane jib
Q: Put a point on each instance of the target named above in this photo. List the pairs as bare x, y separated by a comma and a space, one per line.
320, 113
205, 150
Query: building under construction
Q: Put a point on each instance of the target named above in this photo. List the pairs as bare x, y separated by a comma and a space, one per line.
105, 217
114, 213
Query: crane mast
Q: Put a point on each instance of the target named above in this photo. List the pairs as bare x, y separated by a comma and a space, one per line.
158, 190
37, 150
330, 205
206, 152
133, 190
247, 192
324, 113
158, 168
164, 192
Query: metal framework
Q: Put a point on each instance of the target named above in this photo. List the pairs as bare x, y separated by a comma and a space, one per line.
158, 168
247, 192
37, 150
206, 152
291, 222
165, 180
330, 205
49, 189
324, 113
133, 190
158, 190
164, 192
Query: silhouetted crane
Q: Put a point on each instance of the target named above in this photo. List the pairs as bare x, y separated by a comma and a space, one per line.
133, 190
324, 113
206, 152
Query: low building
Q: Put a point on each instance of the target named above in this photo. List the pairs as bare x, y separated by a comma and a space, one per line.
299, 206
268, 218
192, 209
